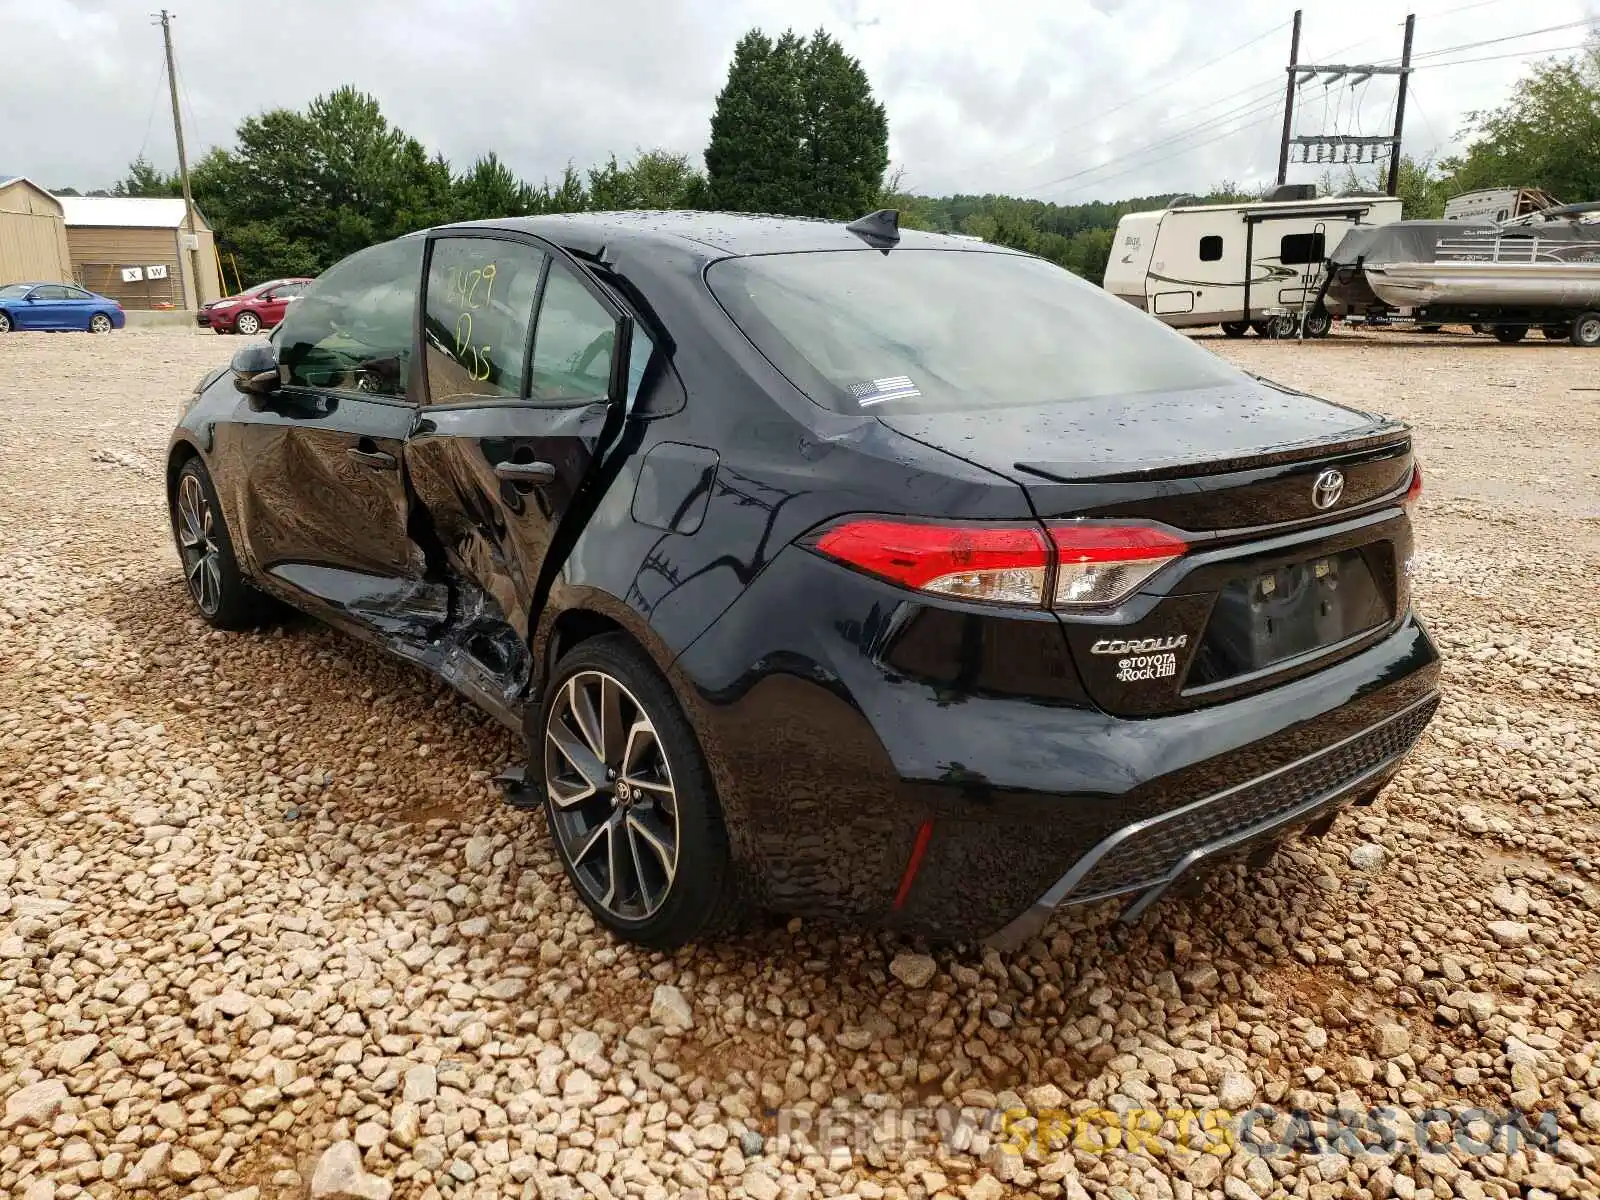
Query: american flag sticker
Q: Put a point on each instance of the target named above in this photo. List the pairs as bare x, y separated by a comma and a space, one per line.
876, 391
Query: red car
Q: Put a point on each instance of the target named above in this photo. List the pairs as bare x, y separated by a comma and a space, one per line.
254, 309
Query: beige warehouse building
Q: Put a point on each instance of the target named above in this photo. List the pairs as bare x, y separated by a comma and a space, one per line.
115, 241
33, 234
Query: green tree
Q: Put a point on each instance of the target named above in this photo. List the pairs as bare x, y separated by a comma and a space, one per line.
796, 130
655, 179
489, 190
145, 180
1546, 136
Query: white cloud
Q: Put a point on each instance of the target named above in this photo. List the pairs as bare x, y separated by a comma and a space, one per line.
1068, 99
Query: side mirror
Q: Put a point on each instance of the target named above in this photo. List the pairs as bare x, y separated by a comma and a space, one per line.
255, 368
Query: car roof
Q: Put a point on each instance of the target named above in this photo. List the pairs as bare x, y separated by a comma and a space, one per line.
713, 234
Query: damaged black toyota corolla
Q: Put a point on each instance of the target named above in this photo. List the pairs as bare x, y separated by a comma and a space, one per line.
829, 569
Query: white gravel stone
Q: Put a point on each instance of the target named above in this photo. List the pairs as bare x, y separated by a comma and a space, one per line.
1368, 856
913, 970
339, 1176
1510, 933
669, 1007
34, 1105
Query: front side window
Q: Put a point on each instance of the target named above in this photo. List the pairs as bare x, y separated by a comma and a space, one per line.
477, 316
932, 330
1210, 248
353, 329
50, 291
1302, 248
573, 343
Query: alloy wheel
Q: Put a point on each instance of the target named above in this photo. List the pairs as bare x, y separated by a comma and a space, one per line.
613, 806
99, 323
248, 324
5, 323
202, 562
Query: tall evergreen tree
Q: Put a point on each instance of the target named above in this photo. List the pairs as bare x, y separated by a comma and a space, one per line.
843, 130
796, 131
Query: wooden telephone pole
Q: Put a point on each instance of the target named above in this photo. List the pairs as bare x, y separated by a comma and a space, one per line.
166, 20
1339, 148
1288, 101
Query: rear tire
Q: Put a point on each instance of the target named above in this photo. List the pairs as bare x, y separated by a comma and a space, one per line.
5, 322
1586, 330
99, 323
615, 796
1235, 329
1318, 324
1510, 334
248, 324
211, 572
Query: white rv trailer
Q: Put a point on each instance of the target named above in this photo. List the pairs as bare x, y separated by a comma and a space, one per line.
1497, 204
1234, 265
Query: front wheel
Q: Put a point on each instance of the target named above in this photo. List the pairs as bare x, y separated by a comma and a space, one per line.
1235, 329
1510, 334
210, 569
100, 323
5, 322
1586, 330
248, 324
629, 799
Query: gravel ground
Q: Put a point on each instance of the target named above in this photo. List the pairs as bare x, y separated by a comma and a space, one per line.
267, 931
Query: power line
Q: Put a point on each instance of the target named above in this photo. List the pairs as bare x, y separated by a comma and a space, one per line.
150, 116
1134, 99
1269, 115
1458, 62
1268, 103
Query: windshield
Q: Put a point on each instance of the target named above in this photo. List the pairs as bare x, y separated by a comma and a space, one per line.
14, 291
929, 330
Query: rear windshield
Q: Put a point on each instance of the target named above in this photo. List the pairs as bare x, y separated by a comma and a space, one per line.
929, 330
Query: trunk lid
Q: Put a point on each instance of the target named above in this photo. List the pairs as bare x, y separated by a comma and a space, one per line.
1273, 586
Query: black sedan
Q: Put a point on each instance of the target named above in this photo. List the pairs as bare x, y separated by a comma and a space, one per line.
827, 569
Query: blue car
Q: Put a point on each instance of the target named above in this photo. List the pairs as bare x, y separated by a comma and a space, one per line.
57, 306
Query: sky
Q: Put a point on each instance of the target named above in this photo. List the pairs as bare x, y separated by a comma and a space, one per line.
1066, 100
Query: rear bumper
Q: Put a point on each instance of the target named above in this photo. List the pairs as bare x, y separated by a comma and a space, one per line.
1144, 858
914, 765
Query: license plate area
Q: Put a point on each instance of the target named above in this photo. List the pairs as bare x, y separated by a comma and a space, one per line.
1290, 610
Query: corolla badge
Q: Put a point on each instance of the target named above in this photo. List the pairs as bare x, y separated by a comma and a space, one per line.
1327, 488
1138, 645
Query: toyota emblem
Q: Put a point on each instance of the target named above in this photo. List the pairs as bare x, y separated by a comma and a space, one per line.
1327, 489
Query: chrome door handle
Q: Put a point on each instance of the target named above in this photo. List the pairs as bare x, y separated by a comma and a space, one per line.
376, 459
536, 473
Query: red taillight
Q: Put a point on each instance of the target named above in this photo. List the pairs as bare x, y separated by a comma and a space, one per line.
1095, 565
1414, 492
1101, 564
1003, 564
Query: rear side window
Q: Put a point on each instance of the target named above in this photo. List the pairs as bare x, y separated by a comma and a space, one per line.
353, 329
1210, 248
477, 316
1302, 248
573, 343
928, 330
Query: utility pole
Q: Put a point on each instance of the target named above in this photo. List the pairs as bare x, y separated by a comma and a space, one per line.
1288, 100
166, 20
1400, 107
